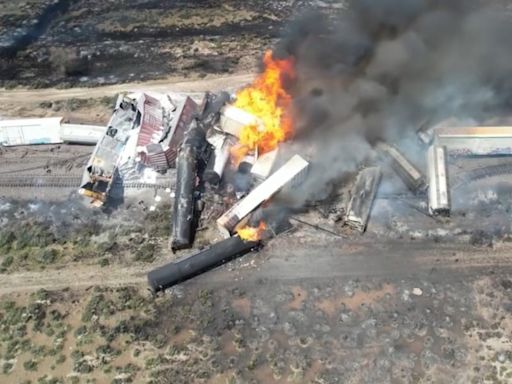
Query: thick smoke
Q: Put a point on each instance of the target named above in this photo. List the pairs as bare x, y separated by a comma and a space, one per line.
383, 67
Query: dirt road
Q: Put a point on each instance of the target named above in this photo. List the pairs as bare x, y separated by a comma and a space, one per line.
74, 277
392, 260
211, 83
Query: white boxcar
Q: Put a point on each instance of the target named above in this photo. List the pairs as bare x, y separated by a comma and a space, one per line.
476, 141
412, 177
30, 131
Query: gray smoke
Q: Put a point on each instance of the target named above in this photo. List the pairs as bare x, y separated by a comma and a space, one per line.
383, 66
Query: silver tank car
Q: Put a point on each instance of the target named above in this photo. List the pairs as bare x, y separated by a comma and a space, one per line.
438, 192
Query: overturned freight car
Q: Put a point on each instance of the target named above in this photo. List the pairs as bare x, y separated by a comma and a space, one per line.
101, 169
404, 168
162, 128
186, 268
475, 141
438, 192
363, 196
145, 131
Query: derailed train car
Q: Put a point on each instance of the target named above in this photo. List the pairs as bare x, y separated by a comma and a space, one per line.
438, 192
145, 131
363, 196
412, 177
101, 169
186, 268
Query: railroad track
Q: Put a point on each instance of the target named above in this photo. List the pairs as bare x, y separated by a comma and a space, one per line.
65, 181
38, 159
481, 173
40, 182
44, 162
27, 159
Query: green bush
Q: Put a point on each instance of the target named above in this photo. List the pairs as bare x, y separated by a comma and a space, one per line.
82, 366
12, 315
108, 101
77, 355
7, 261
60, 359
157, 222
146, 253
7, 238
129, 299
55, 316
37, 313
7, 367
49, 380
11, 84
40, 295
104, 262
155, 362
39, 351
74, 104
108, 369
34, 235
30, 365
105, 350
46, 104
47, 256
80, 331
99, 306
39, 83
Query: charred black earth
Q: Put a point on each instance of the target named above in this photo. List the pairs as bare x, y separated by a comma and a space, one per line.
73, 42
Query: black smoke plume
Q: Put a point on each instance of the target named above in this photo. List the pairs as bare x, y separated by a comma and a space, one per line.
383, 66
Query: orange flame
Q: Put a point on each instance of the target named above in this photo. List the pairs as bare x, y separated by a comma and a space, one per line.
252, 234
266, 99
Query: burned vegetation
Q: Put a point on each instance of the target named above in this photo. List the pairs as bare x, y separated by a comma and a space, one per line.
51, 238
69, 43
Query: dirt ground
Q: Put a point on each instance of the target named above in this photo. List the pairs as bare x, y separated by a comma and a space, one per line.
94, 105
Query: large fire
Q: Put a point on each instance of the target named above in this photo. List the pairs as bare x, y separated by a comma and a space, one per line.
252, 233
268, 100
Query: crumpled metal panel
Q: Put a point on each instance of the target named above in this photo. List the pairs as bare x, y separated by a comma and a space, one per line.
152, 124
158, 144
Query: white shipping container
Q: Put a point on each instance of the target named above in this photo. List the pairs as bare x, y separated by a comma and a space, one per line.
30, 131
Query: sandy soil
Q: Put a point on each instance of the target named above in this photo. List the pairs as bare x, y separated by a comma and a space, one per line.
390, 260
94, 105
209, 83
